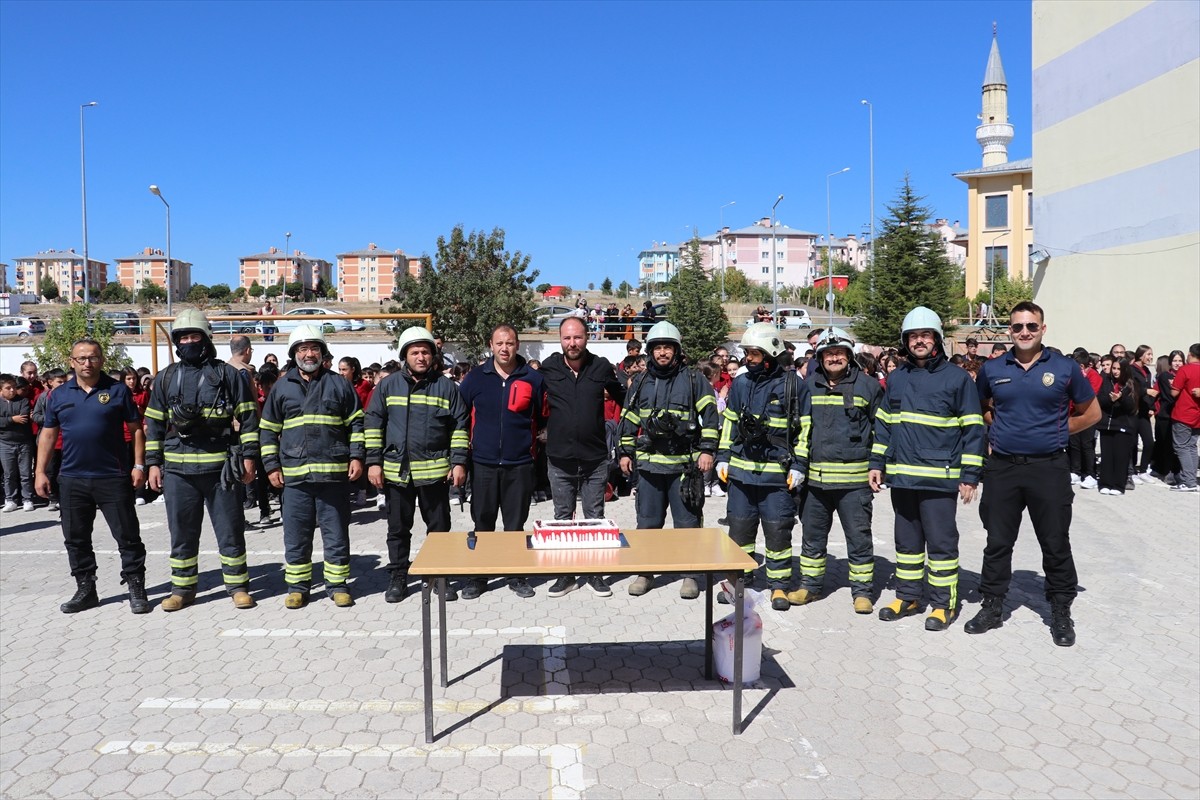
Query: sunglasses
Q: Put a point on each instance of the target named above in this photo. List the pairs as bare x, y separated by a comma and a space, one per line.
1032, 327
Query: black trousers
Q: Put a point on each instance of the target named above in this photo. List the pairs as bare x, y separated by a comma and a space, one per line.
1116, 451
1164, 461
1145, 433
401, 510
79, 500
1081, 449
1043, 487
501, 491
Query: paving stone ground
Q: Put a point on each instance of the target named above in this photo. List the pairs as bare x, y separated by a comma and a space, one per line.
603, 698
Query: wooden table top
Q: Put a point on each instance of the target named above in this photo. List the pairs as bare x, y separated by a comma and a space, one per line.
650, 551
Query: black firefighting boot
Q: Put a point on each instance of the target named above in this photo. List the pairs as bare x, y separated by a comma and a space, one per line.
989, 616
1062, 629
138, 602
85, 596
397, 587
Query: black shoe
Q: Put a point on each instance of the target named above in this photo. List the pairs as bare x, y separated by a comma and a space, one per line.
990, 616
562, 586
85, 597
397, 587
451, 593
1129, 487
600, 586
1062, 628
138, 602
473, 588
723, 521
521, 587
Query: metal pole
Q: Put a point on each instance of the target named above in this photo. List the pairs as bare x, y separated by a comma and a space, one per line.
287, 247
83, 193
871, 149
154, 190
829, 244
774, 272
991, 265
721, 233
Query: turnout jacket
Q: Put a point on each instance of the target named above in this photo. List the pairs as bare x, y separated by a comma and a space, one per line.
770, 401
220, 396
416, 429
506, 413
837, 427
929, 430
684, 394
311, 429
575, 432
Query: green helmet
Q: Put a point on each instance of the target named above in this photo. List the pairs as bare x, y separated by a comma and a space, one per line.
835, 337
413, 335
192, 320
920, 319
306, 333
763, 336
664, 333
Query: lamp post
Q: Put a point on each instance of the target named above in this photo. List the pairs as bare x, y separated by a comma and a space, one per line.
829, 243
774, 272
991, 272
287, 249
871, 180
721, 233
83, 193
154, 190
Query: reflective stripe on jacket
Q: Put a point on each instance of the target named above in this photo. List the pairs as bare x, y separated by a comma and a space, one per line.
837, 428
687, 396
311, 429
765, 461
222, 396
416, 429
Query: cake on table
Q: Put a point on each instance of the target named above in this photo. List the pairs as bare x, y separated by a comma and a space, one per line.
575, 534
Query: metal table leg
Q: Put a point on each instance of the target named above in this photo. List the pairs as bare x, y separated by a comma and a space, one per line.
442, 628
739, 626
427, 657
708, 627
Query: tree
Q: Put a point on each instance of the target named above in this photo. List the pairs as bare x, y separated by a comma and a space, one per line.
239, 294
256, 291
274, 290
198, 295
48, 288
331, 292
55, 348
737, 286
473, 285
606, 286
220, 293
911, 269
1009, 292
542, 288
294, 290
115, 292
624, 289
696, 305
591, 287
151, 293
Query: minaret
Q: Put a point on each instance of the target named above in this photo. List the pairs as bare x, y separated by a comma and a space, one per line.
994, 133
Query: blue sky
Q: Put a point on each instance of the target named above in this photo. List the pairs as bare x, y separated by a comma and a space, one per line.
585, 130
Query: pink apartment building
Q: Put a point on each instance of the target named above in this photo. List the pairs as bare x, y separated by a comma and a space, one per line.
151, 265
750, 249
371, 274
65, 268
274, 266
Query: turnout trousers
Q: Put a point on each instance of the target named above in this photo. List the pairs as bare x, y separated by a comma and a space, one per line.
926, 535
853, 507
187, 497
749, 506
402, 500
305, 506
1043, 487
80, 498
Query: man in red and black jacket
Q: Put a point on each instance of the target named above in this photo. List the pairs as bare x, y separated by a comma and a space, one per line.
508, 408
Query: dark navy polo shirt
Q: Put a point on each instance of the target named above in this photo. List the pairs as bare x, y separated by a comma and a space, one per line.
93, 427
1030, 406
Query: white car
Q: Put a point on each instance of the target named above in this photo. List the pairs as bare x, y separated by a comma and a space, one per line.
313, 315
21, 327
789, 319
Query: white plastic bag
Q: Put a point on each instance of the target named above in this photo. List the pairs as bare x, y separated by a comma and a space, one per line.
752, 641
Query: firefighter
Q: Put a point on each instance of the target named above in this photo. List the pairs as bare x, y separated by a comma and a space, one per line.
201, 441
313, 449
416, 437
758, 455
836, 431
929, 439
676, 411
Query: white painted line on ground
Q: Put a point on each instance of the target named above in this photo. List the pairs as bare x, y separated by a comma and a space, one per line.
534, 705
250, 633
566, 778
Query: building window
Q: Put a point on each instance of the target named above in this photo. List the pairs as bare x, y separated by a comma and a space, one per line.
1029, 211
995, 258
995, 211
766, 270
779, 254
765, 255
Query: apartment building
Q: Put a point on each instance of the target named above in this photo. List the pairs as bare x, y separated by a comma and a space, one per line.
371, 274
65, 268
151, 265
274, 266
751, 249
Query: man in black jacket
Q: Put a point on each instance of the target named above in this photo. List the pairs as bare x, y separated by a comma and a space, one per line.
576, 380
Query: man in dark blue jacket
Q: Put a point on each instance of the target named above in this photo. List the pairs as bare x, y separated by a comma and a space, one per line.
506, 401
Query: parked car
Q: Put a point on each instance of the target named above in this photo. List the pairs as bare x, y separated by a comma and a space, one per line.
313, 315
21, 327
554, 315
789, 319
232, 326
124, 322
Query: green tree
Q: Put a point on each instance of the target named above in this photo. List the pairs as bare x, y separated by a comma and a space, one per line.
239, 294
273, 291
55, 348
623, 289
696, 305
473, 285
220, 293
606, 286
331, 292
115, 292
198, 295
48, 288
1009, 292
542, 288
151, 293
256, 290
294, 290
911, 269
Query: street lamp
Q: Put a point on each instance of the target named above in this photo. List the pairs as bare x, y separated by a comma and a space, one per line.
167, 275
991, 265
829, 243
721, 233
83, 193
287, 249
871, 180
774, 272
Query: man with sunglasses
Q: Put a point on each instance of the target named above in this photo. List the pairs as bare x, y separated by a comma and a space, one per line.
1028, 396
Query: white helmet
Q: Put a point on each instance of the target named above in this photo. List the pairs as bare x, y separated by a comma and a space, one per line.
763, 336
664, 333
835, 337
306, 333
413, 335
919, 319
